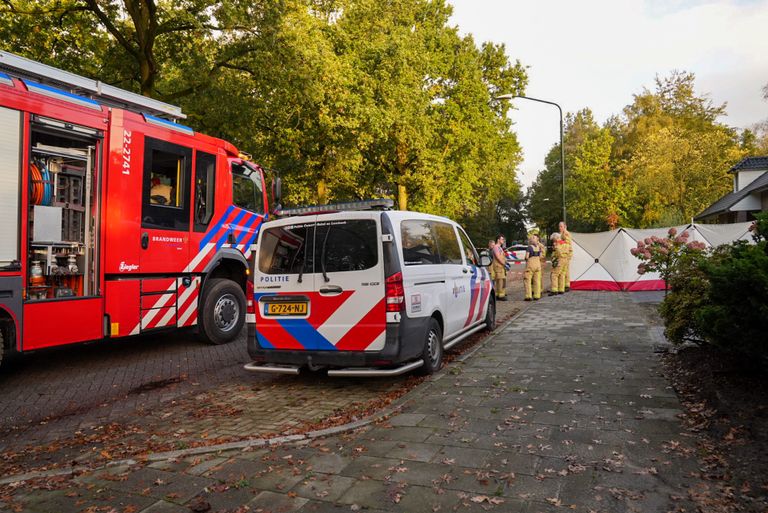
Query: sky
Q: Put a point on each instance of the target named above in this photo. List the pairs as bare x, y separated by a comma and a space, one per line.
598, 53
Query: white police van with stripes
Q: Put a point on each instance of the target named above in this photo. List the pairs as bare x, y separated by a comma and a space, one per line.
364, 292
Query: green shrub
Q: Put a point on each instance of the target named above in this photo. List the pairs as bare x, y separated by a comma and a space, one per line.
735, 317
689, 293
718, 297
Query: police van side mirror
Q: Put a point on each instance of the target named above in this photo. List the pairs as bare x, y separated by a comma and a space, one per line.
485, 260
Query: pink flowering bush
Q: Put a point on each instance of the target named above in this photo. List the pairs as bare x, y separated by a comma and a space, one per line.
660, 254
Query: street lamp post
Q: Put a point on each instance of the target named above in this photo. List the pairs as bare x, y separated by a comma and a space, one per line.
562, 148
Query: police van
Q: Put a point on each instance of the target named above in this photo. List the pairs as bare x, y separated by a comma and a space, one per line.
364, 292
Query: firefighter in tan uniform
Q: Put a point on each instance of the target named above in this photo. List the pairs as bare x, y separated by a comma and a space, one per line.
534, 255
498, 269
565, 236
559, 265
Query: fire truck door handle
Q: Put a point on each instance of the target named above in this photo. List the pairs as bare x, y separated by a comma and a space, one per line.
144, 240
331, 289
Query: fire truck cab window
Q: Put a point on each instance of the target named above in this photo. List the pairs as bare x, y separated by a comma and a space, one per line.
247, 188
205, 180
167, 172
165, 177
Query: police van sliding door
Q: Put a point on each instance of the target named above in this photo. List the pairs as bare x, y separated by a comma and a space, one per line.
165, 207
457, 297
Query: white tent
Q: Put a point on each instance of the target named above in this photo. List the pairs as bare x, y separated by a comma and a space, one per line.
602, 261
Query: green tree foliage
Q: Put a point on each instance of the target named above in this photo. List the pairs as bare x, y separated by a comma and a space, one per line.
660, 163
544, 197
347, 98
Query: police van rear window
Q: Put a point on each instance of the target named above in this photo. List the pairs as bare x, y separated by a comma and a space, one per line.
328, 246
342, 246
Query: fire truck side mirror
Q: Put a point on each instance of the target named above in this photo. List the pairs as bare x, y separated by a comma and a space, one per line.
277, 192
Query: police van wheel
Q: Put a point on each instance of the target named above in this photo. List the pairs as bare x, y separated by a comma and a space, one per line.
223, 313
490, 316
433, 349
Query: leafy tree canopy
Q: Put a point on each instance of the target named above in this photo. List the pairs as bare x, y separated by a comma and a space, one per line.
661, 162
347, 98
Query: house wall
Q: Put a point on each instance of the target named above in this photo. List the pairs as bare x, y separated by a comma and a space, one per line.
751, 202
744, 178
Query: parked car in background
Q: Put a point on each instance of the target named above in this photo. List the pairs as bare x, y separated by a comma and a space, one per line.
516, 254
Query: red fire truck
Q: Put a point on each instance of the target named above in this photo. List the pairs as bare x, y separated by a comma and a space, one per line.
115, 219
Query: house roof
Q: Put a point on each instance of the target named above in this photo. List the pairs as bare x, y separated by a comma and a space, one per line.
751, 164
730, 199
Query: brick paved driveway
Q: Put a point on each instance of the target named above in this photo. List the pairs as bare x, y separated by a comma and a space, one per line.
566, 410
75, 379
169, 385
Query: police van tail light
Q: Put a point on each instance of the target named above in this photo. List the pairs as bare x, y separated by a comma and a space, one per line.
249, 308
395, 292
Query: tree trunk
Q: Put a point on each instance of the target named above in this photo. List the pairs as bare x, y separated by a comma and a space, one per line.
402, 197
322, 192
143, 13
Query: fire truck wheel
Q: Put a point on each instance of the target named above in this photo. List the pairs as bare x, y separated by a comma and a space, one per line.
223, 312
433, 349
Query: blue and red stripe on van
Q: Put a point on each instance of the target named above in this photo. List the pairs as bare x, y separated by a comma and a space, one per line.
287, 333
479, 289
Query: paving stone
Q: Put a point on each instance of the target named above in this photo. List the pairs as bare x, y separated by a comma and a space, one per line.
210, 464
280, 480
406, 419
403, 450
406, 434
173, 487
225, 498
235, 469
323, 487
277, 502
370, 494
463, 456
371, 467
327, 507
426, 499
165, 507
328, 463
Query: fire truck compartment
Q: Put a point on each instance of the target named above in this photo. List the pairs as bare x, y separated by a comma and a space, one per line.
50, 323
63, 212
